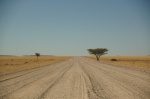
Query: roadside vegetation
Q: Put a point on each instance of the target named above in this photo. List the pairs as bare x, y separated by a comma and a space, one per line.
37, 55
98, 52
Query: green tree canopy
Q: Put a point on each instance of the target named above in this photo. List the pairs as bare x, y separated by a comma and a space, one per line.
37, 54
98, 52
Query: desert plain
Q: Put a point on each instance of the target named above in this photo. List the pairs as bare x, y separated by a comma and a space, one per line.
49, 77
133, 62
11, 64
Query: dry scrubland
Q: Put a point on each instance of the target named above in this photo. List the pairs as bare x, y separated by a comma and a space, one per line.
135, 62
10, 64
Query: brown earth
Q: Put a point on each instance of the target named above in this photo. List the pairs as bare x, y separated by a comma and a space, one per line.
132, 62
76, 78
11, 64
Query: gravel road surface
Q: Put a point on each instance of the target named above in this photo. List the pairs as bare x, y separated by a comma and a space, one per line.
77, 78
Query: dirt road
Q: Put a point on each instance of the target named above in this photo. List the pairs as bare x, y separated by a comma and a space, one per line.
77, 78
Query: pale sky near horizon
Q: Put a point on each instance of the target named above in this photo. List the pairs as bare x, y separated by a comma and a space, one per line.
70, 27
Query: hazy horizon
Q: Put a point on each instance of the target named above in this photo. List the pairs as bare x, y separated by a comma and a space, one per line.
70, 27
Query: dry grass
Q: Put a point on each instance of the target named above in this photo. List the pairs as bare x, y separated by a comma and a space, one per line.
136, 62
10, 64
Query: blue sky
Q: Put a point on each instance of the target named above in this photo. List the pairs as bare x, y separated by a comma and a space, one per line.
70, 27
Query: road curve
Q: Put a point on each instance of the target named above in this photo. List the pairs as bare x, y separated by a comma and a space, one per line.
77, 78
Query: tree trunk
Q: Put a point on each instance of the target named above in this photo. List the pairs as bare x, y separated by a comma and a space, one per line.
97, 58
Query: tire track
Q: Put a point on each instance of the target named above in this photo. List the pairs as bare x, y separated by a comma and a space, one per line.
55, 81
70, 86
10, 88
120, 81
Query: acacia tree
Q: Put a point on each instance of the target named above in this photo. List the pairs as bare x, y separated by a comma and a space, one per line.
98, 52
37, 54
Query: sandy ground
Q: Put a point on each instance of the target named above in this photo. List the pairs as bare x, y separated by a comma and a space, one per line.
11, 64
141, 63
77, 78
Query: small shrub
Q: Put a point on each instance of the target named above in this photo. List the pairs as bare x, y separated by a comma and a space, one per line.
26, 62
114, 59
51, 59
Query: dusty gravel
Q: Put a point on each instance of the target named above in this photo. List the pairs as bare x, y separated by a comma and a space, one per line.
77, 78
